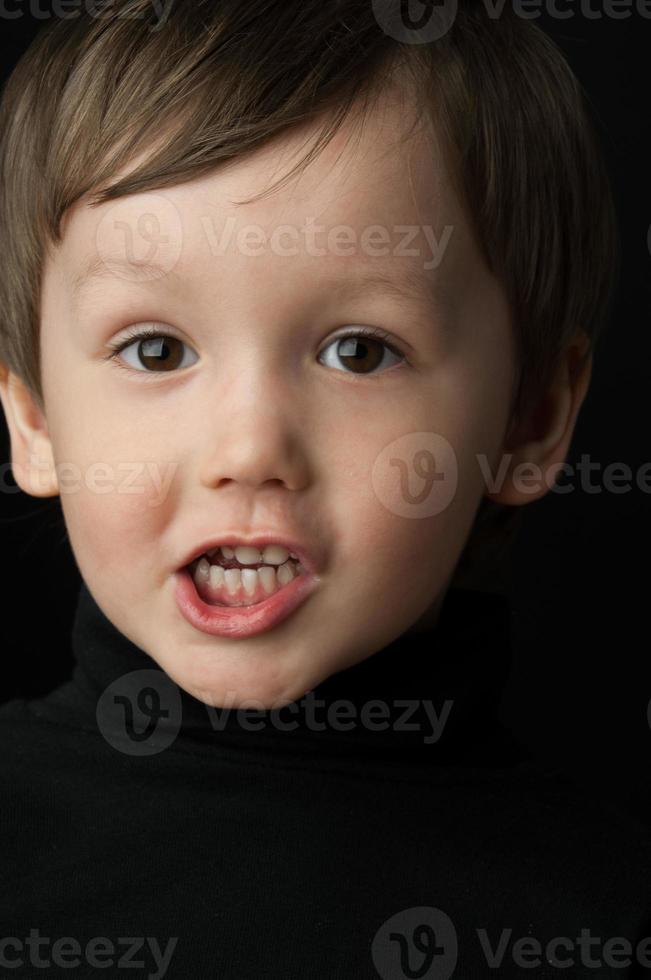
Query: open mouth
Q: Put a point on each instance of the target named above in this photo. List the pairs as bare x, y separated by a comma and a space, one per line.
243, 576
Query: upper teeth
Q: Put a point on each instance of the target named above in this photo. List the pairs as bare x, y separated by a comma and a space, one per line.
273, 554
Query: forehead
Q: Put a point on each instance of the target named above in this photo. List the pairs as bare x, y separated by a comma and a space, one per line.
374, 201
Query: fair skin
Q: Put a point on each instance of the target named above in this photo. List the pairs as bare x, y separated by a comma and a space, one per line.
255, 431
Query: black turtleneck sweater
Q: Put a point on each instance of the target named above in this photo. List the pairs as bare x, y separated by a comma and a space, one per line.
142, 831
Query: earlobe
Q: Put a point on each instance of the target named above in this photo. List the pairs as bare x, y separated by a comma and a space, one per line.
536, 448
32, 459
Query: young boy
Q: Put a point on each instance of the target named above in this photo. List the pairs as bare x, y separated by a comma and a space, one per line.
272, 524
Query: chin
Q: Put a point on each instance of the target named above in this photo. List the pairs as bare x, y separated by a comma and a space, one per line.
244, 688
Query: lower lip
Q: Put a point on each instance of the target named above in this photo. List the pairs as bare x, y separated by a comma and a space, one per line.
240, 621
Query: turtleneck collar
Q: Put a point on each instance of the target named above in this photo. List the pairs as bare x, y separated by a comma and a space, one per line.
430, 695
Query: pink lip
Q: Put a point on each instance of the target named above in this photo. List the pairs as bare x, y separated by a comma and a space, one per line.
241, 621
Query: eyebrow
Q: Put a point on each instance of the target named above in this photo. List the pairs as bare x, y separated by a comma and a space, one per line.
412, 284
98, 269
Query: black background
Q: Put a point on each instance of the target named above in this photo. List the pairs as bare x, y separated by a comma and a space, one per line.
580, 684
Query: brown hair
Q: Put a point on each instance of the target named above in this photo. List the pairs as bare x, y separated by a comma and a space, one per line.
221, 78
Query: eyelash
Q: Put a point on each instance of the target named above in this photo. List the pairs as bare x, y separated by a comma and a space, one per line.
137, 333
147, 333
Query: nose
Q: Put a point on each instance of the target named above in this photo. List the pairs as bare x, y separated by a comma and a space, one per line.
255, 438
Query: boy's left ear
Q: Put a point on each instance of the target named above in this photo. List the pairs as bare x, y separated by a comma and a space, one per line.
32, 459
537, 447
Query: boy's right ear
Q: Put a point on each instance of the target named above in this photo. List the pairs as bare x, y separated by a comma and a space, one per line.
32, 459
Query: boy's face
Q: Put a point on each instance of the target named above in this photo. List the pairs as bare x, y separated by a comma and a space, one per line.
263, 425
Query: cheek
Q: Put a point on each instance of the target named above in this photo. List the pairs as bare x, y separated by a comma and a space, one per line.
407, 485
117, 483
115, 515
393, 498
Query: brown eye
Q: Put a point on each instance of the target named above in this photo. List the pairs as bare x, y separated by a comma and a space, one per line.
165, 353
361, 352
151, 353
